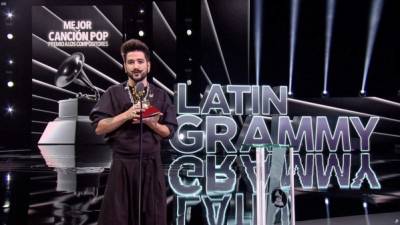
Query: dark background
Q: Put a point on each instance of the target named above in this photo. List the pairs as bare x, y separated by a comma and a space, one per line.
234, 27
189, 57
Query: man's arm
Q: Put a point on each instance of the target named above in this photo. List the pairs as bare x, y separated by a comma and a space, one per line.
157, 127
108, 125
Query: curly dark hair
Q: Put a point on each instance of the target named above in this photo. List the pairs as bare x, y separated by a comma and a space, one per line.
134, 45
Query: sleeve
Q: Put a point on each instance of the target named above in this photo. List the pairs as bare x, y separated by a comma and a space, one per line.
169, 115
104, 108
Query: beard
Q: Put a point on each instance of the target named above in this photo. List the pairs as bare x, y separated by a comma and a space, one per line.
137, 75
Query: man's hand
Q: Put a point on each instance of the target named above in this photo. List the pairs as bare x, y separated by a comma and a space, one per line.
160, 129
108, 125
133, 113
152, 121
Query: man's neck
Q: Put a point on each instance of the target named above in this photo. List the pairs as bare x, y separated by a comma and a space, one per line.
132, 83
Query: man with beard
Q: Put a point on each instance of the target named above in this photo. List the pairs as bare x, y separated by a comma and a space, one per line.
116, 115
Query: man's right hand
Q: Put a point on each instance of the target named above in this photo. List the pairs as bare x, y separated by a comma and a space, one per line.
108, 125
133, 113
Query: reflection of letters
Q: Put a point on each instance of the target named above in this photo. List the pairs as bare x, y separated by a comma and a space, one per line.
186, 173
304, 171
220, 178
324, 174
250, 170
239, 212
210, 182
365, 172
183, 204
177, 183
216, 209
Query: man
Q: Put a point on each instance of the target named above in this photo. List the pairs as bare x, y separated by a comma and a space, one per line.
279, 198
116, 115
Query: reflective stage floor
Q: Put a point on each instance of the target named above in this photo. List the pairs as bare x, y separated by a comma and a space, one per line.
58, 186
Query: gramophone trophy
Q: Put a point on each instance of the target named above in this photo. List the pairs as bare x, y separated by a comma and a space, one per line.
71, 71
138, 94
73, 126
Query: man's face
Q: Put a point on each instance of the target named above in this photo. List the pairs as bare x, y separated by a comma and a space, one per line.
278, 197
136, 66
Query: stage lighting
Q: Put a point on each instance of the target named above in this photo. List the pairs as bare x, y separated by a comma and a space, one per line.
189, 32
8, 181
10, 62
290, 94
330, 13
374, 18
141, 11
328, 214
10, 84
10, 36
141, 33
325, 93
363, 93
6, 204
189, 82
294, 14
10, 109
258, 25
181, 136
9, 15
8, 177
365, 205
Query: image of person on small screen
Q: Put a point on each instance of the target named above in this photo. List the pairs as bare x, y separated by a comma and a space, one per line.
279, 198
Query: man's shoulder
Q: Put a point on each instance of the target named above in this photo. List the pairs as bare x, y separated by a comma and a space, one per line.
157, 90
115, 87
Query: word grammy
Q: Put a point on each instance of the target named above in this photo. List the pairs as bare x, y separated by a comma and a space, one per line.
211, 123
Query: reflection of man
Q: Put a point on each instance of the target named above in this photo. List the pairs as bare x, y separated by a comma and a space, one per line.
278, 198
116, 116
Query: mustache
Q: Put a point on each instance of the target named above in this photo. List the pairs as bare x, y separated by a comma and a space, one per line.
137, 71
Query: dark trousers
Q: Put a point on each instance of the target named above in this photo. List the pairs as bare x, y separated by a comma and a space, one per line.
120, 203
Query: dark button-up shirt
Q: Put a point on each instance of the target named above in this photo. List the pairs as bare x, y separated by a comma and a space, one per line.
125, 139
